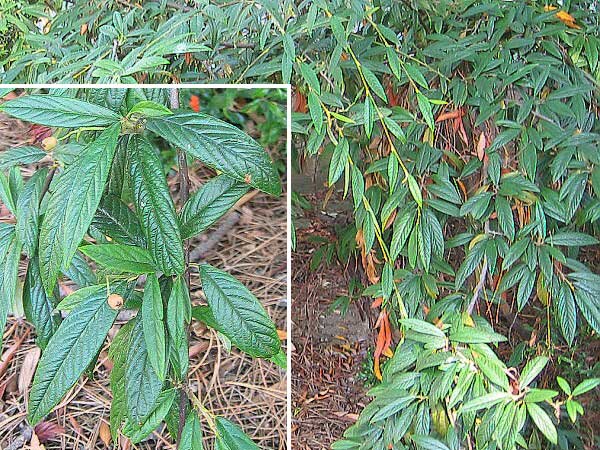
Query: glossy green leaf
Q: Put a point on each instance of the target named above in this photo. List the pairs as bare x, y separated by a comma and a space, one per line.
316, 112
120, 257
374, 83
114, 219
179, 313
118, 354
20, 155
74, 197
191, 436
310, 77
209, 203
138, 432
10, 252
531, 370
239, 314
154, 326
426, 111
73, 346
572, 239
339, 161
28, 220
54, 111
155, 206
39, 306
543, 422
149, 108
142, 384
231, 437
220, 145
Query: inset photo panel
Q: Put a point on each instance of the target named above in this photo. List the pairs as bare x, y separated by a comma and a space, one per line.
143, 267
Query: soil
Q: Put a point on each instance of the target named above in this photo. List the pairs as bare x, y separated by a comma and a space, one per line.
328, 347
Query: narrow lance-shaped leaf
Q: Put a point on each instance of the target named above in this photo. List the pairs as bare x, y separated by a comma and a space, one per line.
20, 155
238, 313
28, 211
191, 436
39, 306
69, 352
118, 354
231, 437
179, 313
55, 111
10, 252
155, 206
72, 203
142, 384
120, 258
209, 203
154, 327
220, 145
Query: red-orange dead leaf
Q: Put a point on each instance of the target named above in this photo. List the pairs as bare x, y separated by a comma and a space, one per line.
195, 103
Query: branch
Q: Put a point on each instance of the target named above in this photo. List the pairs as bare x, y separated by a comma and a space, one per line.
184, 192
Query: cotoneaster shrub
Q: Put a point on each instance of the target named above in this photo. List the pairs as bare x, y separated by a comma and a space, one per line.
106, 158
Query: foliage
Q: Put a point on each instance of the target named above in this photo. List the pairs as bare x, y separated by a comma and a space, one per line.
105, 159
465, 132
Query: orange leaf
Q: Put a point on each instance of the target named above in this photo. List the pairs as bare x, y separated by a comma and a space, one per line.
567, 19
450, 115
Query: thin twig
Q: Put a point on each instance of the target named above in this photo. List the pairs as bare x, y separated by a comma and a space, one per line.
184, 192
47, 182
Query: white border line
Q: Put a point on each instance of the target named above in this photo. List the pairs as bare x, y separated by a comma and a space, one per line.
288, 88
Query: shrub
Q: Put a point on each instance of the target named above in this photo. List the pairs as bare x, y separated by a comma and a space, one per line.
105, 158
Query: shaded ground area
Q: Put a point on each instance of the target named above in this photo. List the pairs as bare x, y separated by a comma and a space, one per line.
250, 243
329, 347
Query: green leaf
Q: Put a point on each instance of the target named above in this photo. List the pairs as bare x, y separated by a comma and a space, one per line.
543, 422
415, 74
428, 442
115, 220
118, 354
10, 253
368, 116
505, 217
571, 239
28, 209
149, 108
20, 155
231, 437
191, 436
154, 327
564, 385
238, 313
415, 190
155, 206
142, 384
374, 83
39, 306
485, 401
585, 386
54, 111
120, 257
74, 197
589, 308
220, 145
179, 313
310, 77
209, 203
316, 112
70, 351
138, 432
339, 161
469, 335
567, 312
426, 111
531, 370
471, 261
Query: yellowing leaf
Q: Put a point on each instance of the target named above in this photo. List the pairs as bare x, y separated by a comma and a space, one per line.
564, 17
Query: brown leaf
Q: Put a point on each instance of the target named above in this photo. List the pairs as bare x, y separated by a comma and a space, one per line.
28, 369
48, 431
481, 145
104, 433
